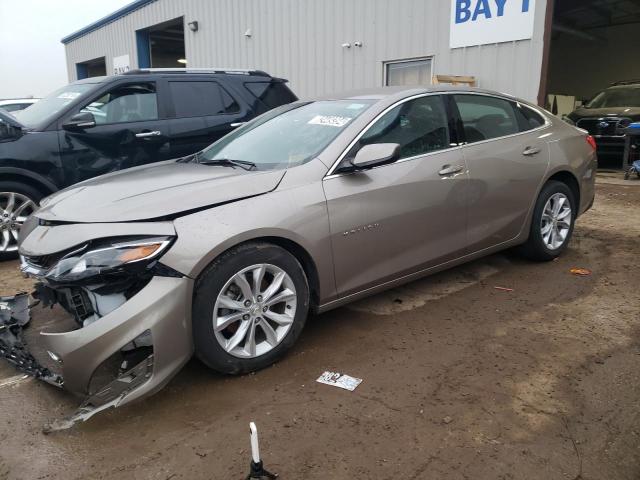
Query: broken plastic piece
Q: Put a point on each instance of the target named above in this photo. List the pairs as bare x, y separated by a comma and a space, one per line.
109, 396
14, 317
504, 289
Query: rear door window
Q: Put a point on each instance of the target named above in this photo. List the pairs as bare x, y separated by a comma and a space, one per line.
485, 117
201, 99
272, 94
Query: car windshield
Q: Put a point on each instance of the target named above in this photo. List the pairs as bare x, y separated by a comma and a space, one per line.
48, 107
287, 136
617, 97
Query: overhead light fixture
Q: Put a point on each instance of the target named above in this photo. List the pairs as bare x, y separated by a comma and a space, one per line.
193, 26
182, 60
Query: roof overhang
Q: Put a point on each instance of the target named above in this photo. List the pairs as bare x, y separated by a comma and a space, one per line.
124, 11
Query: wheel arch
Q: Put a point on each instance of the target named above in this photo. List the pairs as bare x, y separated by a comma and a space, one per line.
560, 175
40, 183
570, 180
294, 248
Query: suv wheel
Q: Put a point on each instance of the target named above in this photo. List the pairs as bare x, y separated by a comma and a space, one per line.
249, 308
17, 202
552, 224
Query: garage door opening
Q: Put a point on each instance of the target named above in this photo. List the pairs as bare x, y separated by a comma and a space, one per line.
91, 68
593, 46
162, 45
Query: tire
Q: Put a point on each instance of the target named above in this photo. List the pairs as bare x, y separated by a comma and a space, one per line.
22, 193
537, 246
219, 287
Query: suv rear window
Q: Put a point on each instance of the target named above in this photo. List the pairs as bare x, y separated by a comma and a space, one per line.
201, 99
272, 94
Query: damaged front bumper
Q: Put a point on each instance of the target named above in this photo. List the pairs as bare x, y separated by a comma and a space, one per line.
125, 355
14, 317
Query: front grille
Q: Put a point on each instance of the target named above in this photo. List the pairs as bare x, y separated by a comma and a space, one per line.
606, 126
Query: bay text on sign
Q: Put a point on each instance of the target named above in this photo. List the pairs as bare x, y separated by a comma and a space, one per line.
121, 64
481, 22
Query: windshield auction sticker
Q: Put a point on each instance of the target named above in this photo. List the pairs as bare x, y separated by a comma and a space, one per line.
329, 120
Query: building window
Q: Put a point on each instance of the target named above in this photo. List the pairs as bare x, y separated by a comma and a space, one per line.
409, 72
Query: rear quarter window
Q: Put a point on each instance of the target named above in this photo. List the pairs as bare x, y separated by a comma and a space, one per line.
272, 94
528, 119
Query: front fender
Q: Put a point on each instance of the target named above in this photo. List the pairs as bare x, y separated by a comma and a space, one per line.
297, 214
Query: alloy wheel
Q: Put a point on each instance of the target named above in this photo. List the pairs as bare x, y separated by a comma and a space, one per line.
15, 208
556, 221
254, 310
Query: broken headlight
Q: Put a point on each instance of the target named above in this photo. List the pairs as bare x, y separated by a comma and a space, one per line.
90, 261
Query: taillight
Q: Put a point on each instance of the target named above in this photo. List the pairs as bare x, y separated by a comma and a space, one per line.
592, 141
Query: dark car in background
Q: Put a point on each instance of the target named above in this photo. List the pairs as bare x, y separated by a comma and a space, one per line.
607, 115
104, 124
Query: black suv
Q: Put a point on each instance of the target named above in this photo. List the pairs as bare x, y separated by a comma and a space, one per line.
607, 115
102, 124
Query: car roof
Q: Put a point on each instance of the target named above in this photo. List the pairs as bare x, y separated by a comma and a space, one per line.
381, 93
145, 73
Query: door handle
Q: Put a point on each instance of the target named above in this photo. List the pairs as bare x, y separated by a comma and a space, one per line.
450, 170
237, 124
155, 133
530, 151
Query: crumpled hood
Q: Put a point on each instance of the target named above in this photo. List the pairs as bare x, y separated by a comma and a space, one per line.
155, 191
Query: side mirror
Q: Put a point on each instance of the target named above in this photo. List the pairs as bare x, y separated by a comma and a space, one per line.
8, 131
80, 121
375, 155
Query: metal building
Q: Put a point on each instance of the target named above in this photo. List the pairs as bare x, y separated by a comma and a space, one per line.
321, 46
559, 53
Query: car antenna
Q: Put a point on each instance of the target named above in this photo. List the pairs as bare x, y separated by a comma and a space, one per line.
257, 468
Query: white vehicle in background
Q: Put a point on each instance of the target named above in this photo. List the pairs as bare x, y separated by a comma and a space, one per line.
17, 104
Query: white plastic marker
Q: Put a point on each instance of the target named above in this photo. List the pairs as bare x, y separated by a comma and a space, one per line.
257, 468
255, 447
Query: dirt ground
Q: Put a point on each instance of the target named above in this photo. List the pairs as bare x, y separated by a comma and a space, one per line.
461, 381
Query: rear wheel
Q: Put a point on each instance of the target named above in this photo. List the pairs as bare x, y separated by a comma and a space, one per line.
17, 202
552, 224
249, 308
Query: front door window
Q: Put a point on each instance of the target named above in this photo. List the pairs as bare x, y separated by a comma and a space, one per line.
134, 102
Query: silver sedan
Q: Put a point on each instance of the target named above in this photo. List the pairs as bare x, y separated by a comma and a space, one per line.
315, 204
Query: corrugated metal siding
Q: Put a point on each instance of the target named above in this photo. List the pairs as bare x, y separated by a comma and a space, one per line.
301, 40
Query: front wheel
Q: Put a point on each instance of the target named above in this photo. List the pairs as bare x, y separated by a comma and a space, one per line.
552, 224
249, 308
17, 202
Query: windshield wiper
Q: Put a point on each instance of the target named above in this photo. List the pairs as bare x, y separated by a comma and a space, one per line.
228, 162
189, 158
